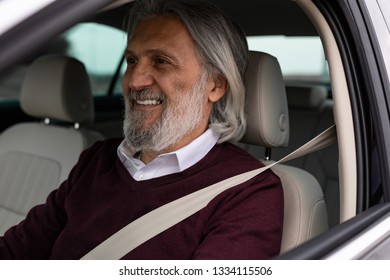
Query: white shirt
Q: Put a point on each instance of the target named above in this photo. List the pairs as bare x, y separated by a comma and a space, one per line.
168, 163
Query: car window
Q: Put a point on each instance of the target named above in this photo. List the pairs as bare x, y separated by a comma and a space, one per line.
301, 58
98, 46
101, 49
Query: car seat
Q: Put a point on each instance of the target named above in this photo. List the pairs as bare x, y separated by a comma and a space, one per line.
36, 157
305, 214
311, 112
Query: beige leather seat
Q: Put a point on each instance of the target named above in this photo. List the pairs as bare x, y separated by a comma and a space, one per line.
305, 214
311, 112
36, 157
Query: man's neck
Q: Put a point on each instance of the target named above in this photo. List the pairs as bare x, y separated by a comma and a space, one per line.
148, 156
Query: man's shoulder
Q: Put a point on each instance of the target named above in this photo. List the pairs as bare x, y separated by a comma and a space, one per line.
232, 160
228, 159
230, 151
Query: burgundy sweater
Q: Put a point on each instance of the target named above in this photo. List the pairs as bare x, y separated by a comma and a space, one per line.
100, 197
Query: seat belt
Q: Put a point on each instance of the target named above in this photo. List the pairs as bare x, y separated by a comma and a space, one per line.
166, 216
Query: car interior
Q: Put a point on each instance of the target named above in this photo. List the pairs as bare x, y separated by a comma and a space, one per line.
36, 156
305, 214
56, 106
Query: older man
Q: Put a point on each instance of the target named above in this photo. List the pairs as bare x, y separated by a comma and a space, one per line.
184, 96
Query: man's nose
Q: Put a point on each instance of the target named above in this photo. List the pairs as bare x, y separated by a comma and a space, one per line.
140, 76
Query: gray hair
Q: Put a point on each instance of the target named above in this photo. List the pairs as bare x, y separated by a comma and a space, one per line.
222, 49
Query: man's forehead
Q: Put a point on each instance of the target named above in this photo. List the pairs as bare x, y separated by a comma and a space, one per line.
163, 33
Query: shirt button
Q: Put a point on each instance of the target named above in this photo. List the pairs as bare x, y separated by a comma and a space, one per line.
141, 176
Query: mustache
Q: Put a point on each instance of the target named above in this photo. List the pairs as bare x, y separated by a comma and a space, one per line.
146, 94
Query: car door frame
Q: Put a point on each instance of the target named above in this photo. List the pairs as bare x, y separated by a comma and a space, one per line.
25, 38
369, 87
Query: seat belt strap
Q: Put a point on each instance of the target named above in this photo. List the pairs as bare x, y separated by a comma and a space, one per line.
166, 216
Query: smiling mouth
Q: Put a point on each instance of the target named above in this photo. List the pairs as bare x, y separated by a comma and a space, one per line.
149, 102
147, 97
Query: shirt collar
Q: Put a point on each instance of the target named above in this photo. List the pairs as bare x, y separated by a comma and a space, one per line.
168, 163
197, 149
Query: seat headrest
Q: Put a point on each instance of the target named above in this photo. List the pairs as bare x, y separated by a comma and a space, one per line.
266, 102
306, 97
58, 87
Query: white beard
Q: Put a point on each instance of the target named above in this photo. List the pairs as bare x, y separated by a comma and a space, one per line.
177, 120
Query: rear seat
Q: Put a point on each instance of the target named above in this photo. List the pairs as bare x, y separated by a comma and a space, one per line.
310, 112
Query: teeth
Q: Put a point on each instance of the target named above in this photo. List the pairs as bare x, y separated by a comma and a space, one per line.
148, 102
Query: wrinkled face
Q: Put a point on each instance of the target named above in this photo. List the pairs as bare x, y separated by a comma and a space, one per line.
176, 122
167, 93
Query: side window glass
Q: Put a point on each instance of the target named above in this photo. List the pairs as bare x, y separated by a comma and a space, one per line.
101, 49
302, 59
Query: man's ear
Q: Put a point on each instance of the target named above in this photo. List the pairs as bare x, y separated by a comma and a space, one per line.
218, 88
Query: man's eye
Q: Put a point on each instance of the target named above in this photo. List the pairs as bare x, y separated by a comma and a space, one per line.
161, 61
131, 60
